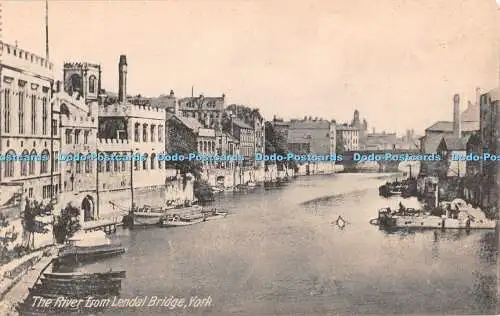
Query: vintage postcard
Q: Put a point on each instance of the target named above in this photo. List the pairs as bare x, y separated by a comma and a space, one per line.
248, 157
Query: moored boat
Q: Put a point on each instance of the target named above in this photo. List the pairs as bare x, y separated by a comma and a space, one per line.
447, 218
177, 221
89, 246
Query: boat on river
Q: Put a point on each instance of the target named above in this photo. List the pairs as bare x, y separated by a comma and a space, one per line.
177, 220
83, 247
444, 217
148, 216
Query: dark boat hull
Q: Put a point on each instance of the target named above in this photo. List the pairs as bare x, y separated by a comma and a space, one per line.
87, 254
99, 275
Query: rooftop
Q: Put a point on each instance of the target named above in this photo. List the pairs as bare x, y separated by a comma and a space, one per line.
242, 124
446, 126
189, 122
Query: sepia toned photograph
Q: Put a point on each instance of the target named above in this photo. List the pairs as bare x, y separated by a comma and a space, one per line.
249, 157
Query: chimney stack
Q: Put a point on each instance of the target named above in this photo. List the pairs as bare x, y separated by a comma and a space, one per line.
456, 116
122, 79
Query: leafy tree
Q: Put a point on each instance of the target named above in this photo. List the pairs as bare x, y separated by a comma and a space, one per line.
276, 143
32, 209
67, 224
203, 191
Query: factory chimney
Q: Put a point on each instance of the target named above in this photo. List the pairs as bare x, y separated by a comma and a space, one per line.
122, 79
456, 116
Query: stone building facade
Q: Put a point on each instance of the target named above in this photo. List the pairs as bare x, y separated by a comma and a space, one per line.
245, 134
78, 130
317, 136
28, 134
27, 124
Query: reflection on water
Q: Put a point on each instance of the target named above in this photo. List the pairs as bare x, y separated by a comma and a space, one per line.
279, 254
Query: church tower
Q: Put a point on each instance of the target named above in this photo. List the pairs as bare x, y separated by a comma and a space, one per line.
82, 80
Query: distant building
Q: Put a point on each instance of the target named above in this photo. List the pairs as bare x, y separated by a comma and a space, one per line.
245, 134
181, 134
315, 136
207, 110
362, 128
226, 145
467, 125
206, 146
347, 137
382, 141
253, 118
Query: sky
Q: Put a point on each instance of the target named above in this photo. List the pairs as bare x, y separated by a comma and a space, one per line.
398, 62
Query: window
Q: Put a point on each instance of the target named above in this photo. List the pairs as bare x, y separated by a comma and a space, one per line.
123, 163
160, 133
24, 163
145, 164
44, 165
45, 115
68, 136
86, 137
99, 166
116, 167
54, 127
153, 156
9, 164
78, 166
21, 112
77, 136
30, 192
55, 161
87, 166
92, 82
108, 166
153, 132
136, 165
136, 132
145, 132
33, 115
6, 113
31, 165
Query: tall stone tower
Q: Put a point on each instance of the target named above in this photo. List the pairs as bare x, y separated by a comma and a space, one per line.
82, 80
122, 79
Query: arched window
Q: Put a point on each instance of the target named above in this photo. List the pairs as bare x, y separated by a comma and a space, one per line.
9, 164
24, 163
145, 163
92, 82
160, 165
76, 83
153, 160
44, 162
31, 164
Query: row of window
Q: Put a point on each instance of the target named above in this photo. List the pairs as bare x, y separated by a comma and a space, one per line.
69, 133
152, 132
21, 112
28, 167
206, 146
117, 166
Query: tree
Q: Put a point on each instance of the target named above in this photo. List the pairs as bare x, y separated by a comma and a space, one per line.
276, 143
67, 224
203, 191
32, 209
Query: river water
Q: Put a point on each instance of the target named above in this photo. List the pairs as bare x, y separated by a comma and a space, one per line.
279, 253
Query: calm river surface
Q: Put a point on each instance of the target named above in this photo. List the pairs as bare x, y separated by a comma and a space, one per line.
278, 253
